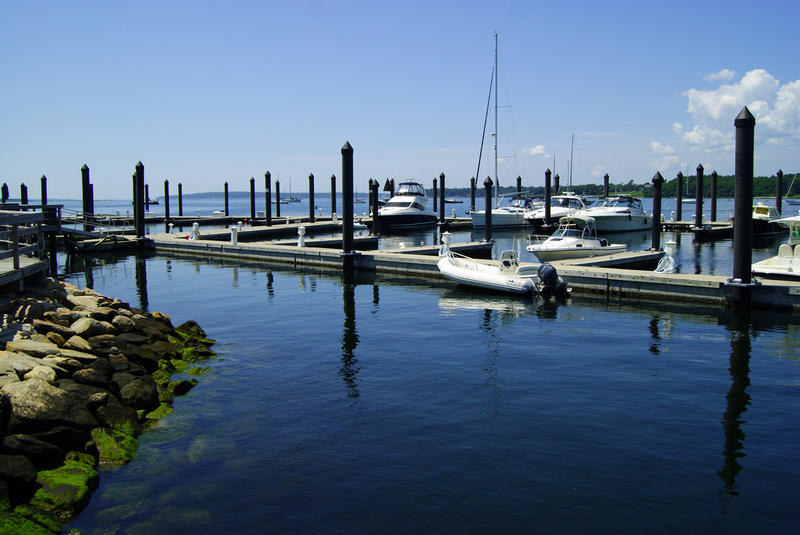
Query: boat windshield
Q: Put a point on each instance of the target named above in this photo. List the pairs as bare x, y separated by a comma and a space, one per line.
567, 202
410, 188
622, 202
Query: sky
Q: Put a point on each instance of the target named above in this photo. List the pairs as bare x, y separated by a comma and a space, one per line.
204, 93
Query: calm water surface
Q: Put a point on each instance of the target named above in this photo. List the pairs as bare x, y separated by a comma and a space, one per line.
385, 405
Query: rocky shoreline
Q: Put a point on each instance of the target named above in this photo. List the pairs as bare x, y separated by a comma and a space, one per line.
81, 376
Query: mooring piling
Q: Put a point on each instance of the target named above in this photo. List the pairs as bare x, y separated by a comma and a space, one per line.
472, 194
487, 185
268, 199
698, 198
180, 199
373, 188
252, 200
23, 194
519, 184
139, 200
88, 197
311, 197
547, 175
225, 189
679, 197
779, 192
743, 207
166, 205
347, 207
441, 199
605, 184
713, 196
4, 193
435, 194
333, 195
44, 190
277, 198
658, 182
557, 184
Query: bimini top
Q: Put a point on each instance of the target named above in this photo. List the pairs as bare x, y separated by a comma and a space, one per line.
621, 201
410, 188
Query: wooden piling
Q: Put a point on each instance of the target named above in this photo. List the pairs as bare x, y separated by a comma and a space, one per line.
779, 192
547, 175
743, 207
605, 184
441, 199
487, 185
556, 185
23, 194
698, 198
435, 194
268, 198
472, 194
225, 190
519, 184
252, 200
376, 229
347, 207
277, 198
333, 195
4, 193
139, 198
658, 181
180, 199
311, 197
44, 190
679, 197
166, 206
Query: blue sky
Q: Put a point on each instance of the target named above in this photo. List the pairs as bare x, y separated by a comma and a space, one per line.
208, 92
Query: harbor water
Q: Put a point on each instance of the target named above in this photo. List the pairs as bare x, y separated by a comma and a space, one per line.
383, 404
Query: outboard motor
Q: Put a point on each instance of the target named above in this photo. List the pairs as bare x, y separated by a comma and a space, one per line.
552, 284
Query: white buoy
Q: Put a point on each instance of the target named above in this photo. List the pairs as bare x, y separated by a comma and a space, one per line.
170, 227
301, 236
334, 219
234, 235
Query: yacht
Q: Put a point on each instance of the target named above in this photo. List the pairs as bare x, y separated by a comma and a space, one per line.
620, 214
575, 237
407, 208
560, 206
510, 214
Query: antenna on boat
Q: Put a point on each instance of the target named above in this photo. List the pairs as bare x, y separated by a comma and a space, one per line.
571, 145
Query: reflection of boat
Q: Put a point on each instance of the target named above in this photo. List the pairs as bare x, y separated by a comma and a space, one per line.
406, 208
560, 205
619, 214
575, 238
507, 275
511, 214
453, 201
787, 263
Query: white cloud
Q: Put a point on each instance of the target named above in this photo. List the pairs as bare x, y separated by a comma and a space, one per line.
724, 74
776, 108
538, 150
664, 156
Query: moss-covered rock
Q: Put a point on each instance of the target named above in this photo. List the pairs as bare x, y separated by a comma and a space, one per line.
15, 523
160, 412
197, 371
115, 446
179, 366
161, 377
183, 386
65, 490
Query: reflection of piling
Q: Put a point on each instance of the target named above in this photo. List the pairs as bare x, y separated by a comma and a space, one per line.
743, 207
139, 200
698, 198
713, 196
658, 181
737, 398
333, 195
679, 197
268, 198
277, 198
605, 185
252, 199
487, 185
472, 194
779, 192
347, 207
311, 197
547, 174
166, 205
441, 199
226, 200
141, 279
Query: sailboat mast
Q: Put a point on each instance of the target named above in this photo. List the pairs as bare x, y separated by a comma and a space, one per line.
571, 145
496, 182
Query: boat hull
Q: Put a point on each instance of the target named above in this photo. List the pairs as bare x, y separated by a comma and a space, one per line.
485, 277
622, 222
500, 219
406, 220
550, 254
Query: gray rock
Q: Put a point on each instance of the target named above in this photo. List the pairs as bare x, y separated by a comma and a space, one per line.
133, 338
6, 378
123, 323
102, 313
22, 363
119, 362
55, 338
44, 373
89, 327
120, 379
65, 438
141, 393
78, 343
87, 302
97, 400
43, 455
89, 376
44, 327
67, 364
37, 405
81, 356
32, 348
20, 475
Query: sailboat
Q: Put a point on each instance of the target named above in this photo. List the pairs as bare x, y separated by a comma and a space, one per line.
512, 214
290, 198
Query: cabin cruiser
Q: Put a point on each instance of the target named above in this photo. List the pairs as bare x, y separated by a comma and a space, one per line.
575, 237
619, 214
767, 220
406, 209
510, 214
560, 206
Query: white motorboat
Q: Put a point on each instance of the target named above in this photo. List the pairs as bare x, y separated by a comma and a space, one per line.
406, 209
507, 275
510, 214
619, 214
767, 220
786, 264
560, 206
576, 237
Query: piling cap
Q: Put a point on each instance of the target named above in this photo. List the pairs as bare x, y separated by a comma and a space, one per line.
488, 181
745, 118
311, 176
680, 175
139, 165
347, 147
267, 175
84, 167
441, 176
700, 167
779, 173
658, 178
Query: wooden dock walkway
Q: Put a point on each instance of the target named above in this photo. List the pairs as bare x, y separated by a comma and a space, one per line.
22, 235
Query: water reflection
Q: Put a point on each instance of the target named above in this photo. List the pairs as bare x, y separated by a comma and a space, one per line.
737, 398
656, 335
141, 281
349, 369
270, 286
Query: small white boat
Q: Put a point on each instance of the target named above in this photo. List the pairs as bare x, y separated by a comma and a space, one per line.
560, 206
406, 209
620, 214
510, 214
576, 237
505, 276
786, 264
766, 220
